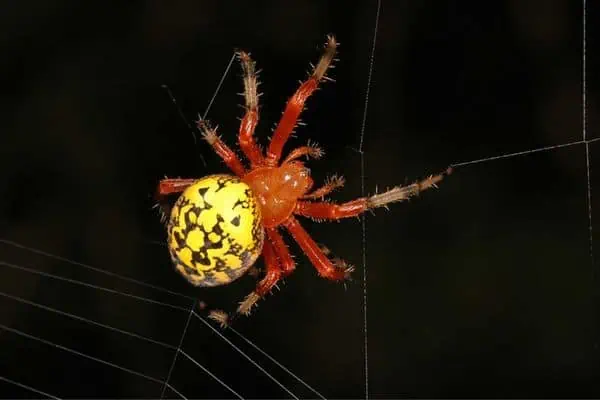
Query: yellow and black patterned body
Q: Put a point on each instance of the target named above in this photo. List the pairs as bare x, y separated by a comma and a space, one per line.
215, 232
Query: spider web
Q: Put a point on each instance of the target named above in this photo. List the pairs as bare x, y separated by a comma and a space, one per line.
173, 350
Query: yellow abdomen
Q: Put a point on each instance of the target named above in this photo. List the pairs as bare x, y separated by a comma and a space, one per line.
215, 232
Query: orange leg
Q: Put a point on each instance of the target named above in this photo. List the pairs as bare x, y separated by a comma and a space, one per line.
273, 271
230, 158
296, 104
324, 210
332, 211
250, 120
312, 150
262, 288
279, 263
171, 186
285, 258
330, 185
325, 267
267, 283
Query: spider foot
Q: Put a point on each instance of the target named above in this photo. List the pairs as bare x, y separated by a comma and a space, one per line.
314, 150
326, 59
402, 193
246, 306
221, 317
337, 181
250, 82
208, 133
342, 271
346, 268
339, 263
224, 319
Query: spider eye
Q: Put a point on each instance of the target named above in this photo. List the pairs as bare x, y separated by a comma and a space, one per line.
215, 231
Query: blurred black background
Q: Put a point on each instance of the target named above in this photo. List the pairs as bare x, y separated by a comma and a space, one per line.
484, 288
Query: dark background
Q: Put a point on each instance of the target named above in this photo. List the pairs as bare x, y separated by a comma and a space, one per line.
484, 288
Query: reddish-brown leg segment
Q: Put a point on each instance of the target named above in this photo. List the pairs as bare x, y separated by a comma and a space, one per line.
287, 263
311, 150
278, 262
165, 188
230, 158
295, 104
250, 120
267, 283
324, 210
330, 185
273, 270
172, 186
325, 268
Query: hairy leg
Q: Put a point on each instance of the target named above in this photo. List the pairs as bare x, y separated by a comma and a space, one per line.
250, 119
324, 266
287, 263
332, 183
332, 211
295, 104
311, 150
228, 155
263, 287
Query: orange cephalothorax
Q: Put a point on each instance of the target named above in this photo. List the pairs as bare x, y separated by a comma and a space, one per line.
277, 190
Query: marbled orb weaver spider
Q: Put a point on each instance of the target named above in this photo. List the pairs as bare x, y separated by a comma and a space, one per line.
221, 224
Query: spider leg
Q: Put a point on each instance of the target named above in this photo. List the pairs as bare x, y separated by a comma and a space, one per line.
311, 150
170, 186
330, 185
230, 158
279, 264
250, 120
295, 104
325, 267
267, 283
165, 188
332, 211
287, 263
263, 287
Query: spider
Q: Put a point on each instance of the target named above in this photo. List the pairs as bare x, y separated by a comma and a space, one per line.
221, 224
